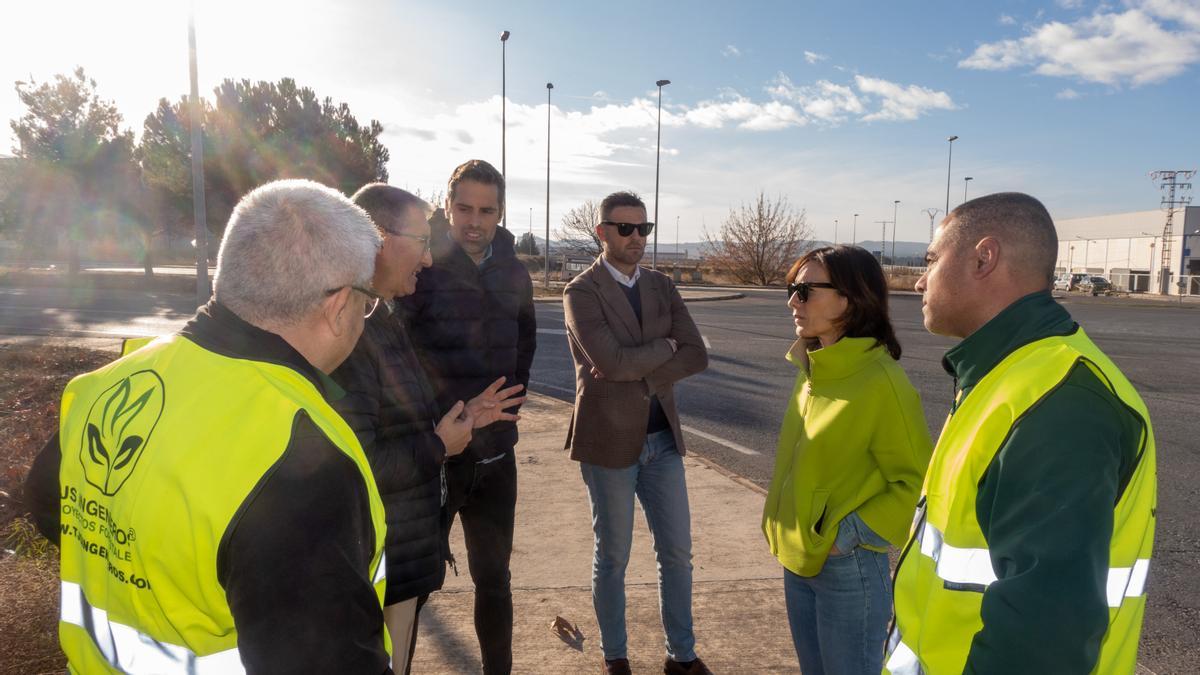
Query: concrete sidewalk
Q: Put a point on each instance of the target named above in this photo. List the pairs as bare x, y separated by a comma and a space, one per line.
740, 620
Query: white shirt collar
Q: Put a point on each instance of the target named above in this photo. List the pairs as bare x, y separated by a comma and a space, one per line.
621, 278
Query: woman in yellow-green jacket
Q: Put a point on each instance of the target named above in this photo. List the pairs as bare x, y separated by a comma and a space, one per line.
849, 466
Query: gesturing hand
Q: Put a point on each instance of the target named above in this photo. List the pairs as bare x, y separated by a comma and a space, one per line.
491, 403
455, 429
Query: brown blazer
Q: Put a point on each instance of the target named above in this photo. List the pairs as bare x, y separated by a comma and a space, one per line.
608, 426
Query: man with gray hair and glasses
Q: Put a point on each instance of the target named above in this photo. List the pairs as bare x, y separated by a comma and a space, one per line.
214, 513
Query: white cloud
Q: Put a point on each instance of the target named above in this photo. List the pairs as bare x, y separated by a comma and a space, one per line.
1007, 20
731, 50
1150, 41
1067, 94
1070, 4
746, 114
824, 100
900, 102
814, 57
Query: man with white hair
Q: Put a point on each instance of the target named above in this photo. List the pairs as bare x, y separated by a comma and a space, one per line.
216, 515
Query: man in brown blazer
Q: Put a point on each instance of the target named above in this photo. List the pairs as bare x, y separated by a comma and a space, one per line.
632, 338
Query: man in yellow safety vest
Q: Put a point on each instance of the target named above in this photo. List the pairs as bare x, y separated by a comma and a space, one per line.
1033, 536
214, 514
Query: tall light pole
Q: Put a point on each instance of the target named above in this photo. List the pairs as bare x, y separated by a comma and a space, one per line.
503, 119
1087, 243
201, 226
949, 159
854, 231
546, 272
835, 224
654, 258
966, 181
676, 235
895, 209
531, 242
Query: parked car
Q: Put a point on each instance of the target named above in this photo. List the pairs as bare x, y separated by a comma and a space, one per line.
1095, 285
1068, 281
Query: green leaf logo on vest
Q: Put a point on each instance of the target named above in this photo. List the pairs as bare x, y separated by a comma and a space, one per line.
118, 428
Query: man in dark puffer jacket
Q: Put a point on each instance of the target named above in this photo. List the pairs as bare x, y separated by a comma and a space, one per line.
472, 321
392, 409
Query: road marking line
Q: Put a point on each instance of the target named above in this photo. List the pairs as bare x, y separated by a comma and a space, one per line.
719, 441
707, 344
552, 331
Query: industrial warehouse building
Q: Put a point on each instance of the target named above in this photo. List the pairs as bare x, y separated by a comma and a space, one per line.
1127, 248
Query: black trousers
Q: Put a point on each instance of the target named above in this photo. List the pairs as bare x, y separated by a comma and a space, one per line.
484, 496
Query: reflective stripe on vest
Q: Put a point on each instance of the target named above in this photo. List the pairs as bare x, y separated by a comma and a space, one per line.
974, 566
381, 571
902, 660
130, 651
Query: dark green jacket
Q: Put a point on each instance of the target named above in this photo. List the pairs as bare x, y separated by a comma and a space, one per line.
1045, 504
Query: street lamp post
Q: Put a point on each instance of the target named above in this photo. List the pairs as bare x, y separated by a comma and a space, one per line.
660, 84
1086, 248
854, 231
966, 180
503, 118
949, 159
546, 272
835, 225
895, 209
201, 225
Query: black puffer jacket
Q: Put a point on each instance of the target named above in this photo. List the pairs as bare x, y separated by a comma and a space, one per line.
472, 324
391, 408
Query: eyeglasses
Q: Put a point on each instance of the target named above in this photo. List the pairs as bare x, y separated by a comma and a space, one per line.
805, 287
423, 238
372, 301
626, 229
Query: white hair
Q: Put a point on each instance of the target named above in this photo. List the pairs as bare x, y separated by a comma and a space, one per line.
289, 243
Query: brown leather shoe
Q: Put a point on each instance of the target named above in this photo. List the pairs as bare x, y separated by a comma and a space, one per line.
697, 667
617, 667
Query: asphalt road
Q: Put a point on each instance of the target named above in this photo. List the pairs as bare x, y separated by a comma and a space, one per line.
732, 411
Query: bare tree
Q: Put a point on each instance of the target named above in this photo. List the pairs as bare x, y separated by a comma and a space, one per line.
759, 241
578, 233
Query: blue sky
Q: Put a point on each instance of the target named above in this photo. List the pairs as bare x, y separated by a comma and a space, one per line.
842, 107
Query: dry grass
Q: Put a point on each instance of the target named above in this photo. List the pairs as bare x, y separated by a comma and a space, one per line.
34, 377
29, 393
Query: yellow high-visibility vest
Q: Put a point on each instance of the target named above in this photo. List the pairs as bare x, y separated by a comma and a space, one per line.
160, 449
947, 568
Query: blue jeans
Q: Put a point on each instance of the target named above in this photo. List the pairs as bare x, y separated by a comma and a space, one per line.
658, 481
839, 617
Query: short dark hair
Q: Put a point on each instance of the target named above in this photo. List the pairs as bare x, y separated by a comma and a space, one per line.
478, 171
1014, 218
856, 274
619, 199
387, 204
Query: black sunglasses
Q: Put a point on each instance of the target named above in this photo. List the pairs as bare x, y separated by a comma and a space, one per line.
626, 229
805, 287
